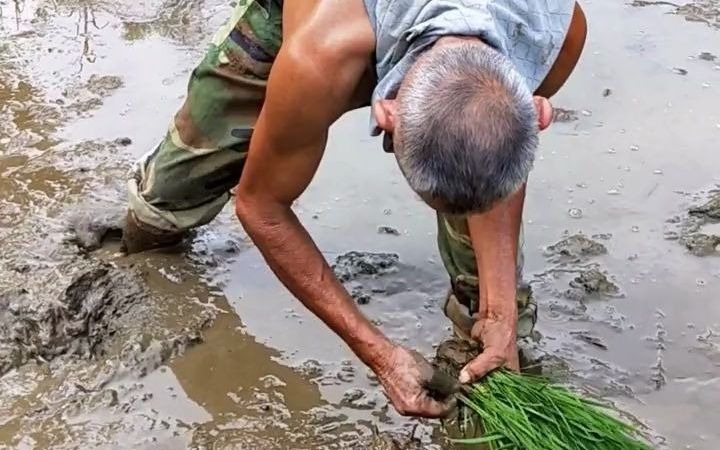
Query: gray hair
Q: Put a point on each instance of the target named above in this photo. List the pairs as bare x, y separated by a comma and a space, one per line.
467, 127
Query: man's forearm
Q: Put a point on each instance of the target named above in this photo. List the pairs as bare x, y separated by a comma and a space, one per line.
494, 236
297, 262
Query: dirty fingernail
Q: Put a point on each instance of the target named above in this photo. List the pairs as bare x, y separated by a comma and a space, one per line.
464, 377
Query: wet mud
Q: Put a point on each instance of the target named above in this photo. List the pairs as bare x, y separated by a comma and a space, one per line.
694, 229
79, 320
703, 11
204, 349
574, 249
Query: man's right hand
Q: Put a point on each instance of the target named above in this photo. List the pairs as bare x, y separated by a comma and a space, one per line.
405, 375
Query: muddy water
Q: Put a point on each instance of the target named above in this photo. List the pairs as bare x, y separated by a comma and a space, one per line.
206, 350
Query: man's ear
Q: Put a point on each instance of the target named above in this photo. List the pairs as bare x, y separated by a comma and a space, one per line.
544, 112
385, 114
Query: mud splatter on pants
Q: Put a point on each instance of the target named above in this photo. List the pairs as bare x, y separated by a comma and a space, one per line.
186, 181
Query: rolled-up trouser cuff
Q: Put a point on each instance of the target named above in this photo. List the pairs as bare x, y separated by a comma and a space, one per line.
463, 321
172, 221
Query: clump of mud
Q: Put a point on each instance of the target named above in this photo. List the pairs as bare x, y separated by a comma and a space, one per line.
54, 318
571, 256
591, 282
351, 268
575, 248
352, 265
709, 211
703, 11
700, 244
689, 230
561, 115
453, 354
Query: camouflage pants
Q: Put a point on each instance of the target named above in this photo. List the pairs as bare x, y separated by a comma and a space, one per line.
186, 180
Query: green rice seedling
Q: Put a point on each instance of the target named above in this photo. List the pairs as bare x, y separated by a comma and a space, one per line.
527, 412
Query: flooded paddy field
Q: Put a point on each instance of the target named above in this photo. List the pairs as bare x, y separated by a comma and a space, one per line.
204, 349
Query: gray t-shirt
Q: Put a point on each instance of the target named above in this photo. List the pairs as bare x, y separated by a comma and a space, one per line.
529, 32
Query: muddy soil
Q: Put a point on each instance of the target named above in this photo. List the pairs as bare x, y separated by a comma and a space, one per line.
202, 348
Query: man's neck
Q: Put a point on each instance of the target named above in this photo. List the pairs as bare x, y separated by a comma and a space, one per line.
449, 41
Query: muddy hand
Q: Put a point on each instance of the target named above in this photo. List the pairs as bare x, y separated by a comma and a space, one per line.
414, 387
499, 341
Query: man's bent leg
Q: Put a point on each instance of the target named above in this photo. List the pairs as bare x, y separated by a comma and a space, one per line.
186, 180
459, 259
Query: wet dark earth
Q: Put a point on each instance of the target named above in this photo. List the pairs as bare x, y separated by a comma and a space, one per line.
201, 348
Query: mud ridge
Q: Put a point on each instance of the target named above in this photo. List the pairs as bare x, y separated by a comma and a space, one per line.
78, 320
689, 229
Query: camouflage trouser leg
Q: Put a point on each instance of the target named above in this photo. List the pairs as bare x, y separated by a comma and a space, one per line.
459, 260
187, 179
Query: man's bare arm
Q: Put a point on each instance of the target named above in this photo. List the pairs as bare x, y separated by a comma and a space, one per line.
308, 89
287, 145
495, 241
494, 236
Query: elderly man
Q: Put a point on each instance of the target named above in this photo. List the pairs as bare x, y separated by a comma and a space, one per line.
451, 84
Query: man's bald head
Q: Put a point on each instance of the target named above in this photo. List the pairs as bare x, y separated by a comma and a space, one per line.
465, 127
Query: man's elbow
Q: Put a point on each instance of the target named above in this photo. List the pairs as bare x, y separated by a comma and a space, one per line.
246, 208
256, 213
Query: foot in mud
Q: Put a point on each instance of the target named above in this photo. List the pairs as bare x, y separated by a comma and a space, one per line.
139, 237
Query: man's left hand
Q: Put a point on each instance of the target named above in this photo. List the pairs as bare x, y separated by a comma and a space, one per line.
498, 337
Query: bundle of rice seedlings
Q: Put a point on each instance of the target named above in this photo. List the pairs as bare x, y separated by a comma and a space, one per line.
527, 412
